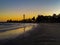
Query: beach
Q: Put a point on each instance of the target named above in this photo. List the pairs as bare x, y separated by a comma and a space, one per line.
42, 34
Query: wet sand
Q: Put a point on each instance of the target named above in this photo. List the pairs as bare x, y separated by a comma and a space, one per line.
43, 34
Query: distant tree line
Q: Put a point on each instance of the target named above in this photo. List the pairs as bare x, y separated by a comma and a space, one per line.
40, 19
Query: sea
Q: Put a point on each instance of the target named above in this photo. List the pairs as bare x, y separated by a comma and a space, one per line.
13, 30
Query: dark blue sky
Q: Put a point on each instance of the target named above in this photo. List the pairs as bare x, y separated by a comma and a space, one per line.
28, 3
29, 7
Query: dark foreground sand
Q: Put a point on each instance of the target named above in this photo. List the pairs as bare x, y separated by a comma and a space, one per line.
43, 34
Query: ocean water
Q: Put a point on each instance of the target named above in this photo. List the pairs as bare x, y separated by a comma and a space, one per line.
13, 30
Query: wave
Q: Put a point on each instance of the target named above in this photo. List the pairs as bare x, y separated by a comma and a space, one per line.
12, 26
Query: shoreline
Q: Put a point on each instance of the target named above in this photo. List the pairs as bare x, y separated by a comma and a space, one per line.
43, 34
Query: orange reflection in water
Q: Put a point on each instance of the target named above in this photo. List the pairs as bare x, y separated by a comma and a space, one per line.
14, 33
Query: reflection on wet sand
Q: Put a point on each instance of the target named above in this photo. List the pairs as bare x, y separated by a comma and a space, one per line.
14, 33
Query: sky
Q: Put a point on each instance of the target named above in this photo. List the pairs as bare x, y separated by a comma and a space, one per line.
14, 9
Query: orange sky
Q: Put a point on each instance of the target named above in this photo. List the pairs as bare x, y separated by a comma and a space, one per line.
14, 9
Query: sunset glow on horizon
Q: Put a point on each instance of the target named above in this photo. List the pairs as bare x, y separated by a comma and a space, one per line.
14, 9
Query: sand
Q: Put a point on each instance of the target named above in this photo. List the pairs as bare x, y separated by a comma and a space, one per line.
43, 34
